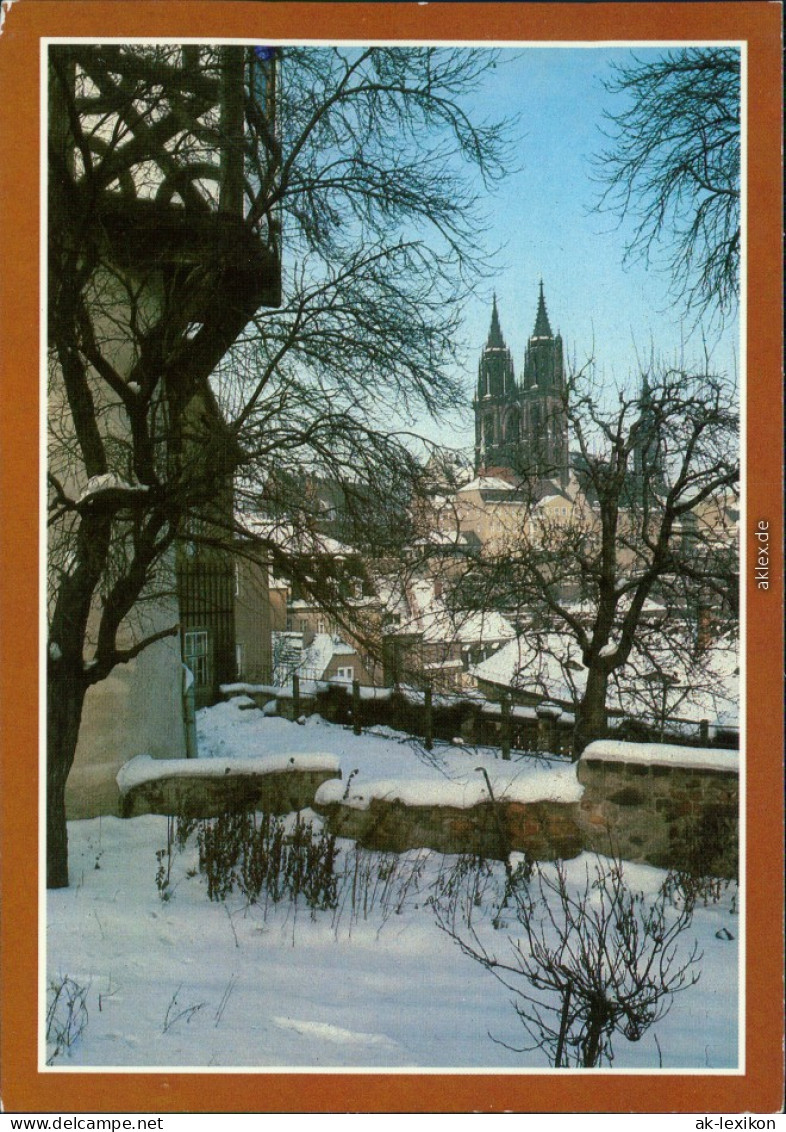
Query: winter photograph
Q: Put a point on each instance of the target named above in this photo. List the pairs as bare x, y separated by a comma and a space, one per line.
391, 537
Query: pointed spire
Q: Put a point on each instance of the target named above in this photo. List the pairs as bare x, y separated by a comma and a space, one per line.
495, 339
542, 327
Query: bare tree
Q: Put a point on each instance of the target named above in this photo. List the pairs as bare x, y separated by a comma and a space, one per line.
172, 174
591, 962
650, 520
673, 167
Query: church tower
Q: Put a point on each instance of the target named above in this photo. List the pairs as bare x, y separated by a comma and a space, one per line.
649, 477
496, 403
522, 428
544, 421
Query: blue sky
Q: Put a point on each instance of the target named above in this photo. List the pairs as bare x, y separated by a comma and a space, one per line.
542, 219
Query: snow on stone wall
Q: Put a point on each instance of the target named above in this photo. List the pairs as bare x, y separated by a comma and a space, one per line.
663, 754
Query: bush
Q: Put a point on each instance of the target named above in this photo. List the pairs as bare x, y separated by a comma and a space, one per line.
258, 856
586, 963
706, 850
66, 1016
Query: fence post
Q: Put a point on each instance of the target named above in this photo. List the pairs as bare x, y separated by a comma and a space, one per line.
505, 736
356, 706
548, 714
295, 696
429, 723
704, 730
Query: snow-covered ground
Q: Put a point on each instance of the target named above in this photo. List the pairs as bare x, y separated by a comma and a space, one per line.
186, 982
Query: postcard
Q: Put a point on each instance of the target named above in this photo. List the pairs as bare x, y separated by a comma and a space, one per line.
392, 557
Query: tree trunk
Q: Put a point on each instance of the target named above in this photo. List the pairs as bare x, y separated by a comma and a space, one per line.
65, 697
591, 716
591, 1044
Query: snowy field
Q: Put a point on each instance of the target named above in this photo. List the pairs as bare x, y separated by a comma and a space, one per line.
372, 982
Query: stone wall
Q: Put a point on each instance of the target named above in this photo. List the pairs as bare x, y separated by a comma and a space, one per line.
669, 807
681, 813
205, 796
543, 830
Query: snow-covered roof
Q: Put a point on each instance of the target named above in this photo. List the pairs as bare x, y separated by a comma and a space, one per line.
318, 655
550, 664
708, 687
443, 538
487, 483
311, 544
442, 625
546, 664
517, 711
427, 614
589, 608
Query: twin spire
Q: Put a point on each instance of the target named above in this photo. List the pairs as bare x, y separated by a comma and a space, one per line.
542, 325
522, 424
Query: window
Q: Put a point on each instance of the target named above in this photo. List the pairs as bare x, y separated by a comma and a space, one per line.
196, 655
240, 661
347, 674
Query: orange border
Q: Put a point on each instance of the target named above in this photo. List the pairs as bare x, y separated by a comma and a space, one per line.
23, 1088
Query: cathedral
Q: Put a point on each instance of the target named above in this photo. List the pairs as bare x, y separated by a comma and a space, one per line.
521, 428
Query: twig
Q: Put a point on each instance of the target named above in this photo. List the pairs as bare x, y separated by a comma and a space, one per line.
232, 926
